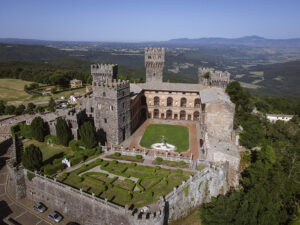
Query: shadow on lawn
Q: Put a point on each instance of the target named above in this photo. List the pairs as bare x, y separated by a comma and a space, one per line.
52, 158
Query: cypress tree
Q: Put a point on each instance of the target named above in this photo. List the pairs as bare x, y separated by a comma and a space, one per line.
38, 129
87, 134
32, 158
63, 131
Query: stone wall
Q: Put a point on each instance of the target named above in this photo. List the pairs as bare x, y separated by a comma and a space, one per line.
199, 189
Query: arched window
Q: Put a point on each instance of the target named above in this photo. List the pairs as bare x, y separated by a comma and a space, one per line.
169, 114
156, 113
169, 101
196, 115
182, 115
156, 100
197, 103
183, 102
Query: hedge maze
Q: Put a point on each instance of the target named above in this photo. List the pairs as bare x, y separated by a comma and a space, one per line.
125, 183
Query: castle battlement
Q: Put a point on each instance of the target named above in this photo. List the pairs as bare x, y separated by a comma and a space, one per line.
115, 84
102, 68
155, 51
212, 77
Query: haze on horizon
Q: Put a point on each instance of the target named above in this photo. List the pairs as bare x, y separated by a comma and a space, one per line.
136, 20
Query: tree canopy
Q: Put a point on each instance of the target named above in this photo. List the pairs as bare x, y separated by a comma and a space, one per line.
32, 158
63, 131
87, 134
39, 129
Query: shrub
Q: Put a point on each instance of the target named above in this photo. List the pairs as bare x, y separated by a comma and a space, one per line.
138, 183
159, 159
74, 144
78, 179
93, 179
131, 165
77, 159
178, 171
98, 161
154, 183
157, 167
138, 157
117, 154
113, 180
114, 162
89, 152
30, 175
164, 182
182, 163
52, 139
119, 189
52, 169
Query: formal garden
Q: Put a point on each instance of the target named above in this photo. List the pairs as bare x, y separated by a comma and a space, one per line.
125, 183
176, 135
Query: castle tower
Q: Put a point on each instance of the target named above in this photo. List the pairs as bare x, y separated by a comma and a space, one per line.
104, 72
154, 63
111, 107
212, 77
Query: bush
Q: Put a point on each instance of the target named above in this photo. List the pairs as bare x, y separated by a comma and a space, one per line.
178, 171
114, 162
159, 159
164, 182
52, 139
138, 183
76, 160
138, 157
131, 165
157, 168
182, 163
52, 169
117, 154
89, 152
93, 179
119, 189
30, 175
74, 145
78, 179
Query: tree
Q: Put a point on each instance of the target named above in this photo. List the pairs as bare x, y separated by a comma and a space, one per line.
38, 129
63, 131
30, 108
53, 90
32, 158
20, 109
51, 105
2, 107
87, 134
40, 109
10, 110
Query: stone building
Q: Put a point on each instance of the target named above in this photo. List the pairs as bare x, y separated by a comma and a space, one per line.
212, 77
75, 83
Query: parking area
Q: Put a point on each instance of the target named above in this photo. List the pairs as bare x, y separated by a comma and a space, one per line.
22, 210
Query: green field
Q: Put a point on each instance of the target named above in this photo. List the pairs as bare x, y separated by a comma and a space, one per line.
174, 134
12, 92
140, 185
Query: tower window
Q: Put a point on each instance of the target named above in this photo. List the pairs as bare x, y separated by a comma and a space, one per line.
111, 108
92, 109
123, 118
105, 120
123, 105
104, 94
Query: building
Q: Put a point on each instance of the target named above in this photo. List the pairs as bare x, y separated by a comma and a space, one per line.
75, 83
117, 108
274, 117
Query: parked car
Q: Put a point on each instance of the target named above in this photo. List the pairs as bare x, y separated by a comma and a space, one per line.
55, 216
40, 207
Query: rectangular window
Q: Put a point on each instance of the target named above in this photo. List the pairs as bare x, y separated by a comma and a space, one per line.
105, 120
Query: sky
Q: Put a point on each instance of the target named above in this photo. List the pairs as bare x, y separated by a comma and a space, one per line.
147, 20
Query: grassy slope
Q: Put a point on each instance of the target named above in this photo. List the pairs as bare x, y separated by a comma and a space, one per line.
12, 91
174, 134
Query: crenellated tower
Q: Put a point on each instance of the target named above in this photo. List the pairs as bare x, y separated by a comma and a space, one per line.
111, 105
154, 63
212, 77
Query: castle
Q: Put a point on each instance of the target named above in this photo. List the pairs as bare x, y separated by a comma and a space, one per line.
117, 108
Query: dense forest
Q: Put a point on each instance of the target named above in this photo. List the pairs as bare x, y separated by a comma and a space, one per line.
269, 191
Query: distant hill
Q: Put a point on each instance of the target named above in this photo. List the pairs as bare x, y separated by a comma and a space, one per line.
28, 52
252, 41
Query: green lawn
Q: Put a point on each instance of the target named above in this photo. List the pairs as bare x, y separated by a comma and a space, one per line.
174, 134
49, 151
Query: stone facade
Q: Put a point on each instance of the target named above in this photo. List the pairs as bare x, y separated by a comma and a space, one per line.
154, 63
212, 77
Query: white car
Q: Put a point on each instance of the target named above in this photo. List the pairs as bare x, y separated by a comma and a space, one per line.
40, 207
55, 216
